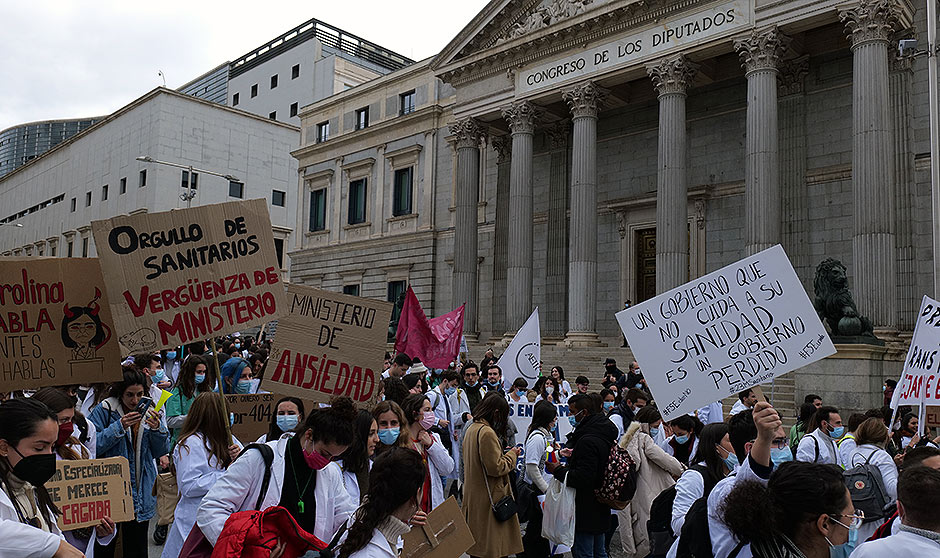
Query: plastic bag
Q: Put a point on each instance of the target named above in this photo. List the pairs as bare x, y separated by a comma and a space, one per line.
558, 515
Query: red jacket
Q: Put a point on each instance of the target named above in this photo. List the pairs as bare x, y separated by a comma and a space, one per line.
254, 534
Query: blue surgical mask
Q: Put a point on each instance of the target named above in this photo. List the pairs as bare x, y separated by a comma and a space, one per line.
388, 435
837, 432
159, 375
520, 393
682, 439
844, 550
287, 422
238, 345
474, 384
779, 456
608, 405
200, 378
638, 386
231, 419
243, 386
171, 355
573, 421
654, 432
731, 461
450, 391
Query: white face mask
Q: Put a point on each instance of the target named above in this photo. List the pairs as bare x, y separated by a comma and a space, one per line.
549, 390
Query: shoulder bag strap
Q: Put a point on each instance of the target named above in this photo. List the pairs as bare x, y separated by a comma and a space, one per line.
483, 467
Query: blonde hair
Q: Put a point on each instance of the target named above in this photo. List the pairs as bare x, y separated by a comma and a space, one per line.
872, 431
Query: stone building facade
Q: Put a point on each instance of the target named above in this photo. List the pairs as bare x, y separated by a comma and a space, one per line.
586, 153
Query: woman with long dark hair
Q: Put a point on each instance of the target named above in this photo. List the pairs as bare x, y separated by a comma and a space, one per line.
713, 461
236, 376
201, 455
288, 414
196, 376
357, 460
486, 480
393, 426
684, 442
123, 432
29, 432
538, 441
387, 507
438, 462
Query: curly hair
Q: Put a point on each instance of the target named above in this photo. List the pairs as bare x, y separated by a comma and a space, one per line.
396, 477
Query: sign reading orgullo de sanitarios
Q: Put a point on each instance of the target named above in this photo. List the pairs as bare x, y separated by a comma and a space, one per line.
639, 47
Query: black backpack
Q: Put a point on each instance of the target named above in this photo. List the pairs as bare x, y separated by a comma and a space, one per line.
267, 453
659, 525
695, 540
867, 488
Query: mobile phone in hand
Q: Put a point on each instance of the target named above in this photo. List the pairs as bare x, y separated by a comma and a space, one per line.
145, 404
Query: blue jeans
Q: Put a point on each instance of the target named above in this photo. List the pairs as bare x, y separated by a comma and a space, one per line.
588, 545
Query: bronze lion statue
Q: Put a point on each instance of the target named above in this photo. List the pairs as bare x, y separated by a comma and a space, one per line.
834, 302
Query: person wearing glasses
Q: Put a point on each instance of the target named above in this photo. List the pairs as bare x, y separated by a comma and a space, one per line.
303, 478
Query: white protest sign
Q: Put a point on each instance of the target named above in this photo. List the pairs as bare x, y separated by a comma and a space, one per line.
727, 331
520, 413
920, 381
523, 356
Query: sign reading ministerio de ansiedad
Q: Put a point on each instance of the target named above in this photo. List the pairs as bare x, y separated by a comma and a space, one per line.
640, 46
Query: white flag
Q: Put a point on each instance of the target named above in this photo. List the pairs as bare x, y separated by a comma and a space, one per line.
524, 354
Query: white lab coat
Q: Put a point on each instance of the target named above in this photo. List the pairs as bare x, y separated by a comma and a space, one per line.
19, 540
737, 408
711, 413
723, 540
238, 489
901, 544
828, 453
377, 547
459, 404
440, 464
847, 447
196, 472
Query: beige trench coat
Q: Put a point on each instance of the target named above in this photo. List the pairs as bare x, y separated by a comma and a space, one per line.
493, 539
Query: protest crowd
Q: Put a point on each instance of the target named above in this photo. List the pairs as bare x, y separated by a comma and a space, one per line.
358, 478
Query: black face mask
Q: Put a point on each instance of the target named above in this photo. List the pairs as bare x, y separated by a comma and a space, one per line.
35, 469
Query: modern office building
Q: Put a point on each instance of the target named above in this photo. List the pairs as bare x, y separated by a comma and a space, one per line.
23, 143
306, 64
50, 202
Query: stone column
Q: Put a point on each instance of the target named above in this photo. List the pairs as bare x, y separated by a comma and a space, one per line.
760, 54
555, 317
468, 134
583, 101
502, 145
672, 78
522, 117
901, 77
870, 26
793, 167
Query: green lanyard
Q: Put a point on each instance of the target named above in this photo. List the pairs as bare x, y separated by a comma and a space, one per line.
300, 495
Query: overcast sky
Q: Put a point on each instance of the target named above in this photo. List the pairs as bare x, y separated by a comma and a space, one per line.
77, 58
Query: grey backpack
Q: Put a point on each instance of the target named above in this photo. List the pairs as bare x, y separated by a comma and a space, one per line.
867, 488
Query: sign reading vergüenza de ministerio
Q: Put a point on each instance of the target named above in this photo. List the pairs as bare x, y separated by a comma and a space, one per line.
640, 46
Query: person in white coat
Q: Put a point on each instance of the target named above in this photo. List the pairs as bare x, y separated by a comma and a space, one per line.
438, 463
357, 460
389, 506
200, 457
460, 410
819, 445
918, 501
710, 413
29, 431
324, 436
440, 398
871, 437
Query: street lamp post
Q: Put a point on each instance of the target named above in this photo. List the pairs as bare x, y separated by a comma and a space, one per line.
934, 137
191, 192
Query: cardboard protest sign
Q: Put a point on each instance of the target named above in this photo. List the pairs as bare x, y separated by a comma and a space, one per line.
87, 490
446, 534
189, 274
724, 332
328, 344
523, 357
55, 324
253, 413
932, 418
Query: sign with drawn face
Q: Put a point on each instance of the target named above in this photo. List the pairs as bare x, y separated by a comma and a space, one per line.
55, 324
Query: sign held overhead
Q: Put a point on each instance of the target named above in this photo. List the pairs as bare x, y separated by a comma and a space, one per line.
727, 331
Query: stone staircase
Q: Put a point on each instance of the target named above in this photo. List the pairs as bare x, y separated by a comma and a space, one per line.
589, 361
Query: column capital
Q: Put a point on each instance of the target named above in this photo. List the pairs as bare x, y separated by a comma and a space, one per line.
792, 74
468, 132
672, 75
585, 99
503, 147
558, 134
871, 20
522, 117
762, 50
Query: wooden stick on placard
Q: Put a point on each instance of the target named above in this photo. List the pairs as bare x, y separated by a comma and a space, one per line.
759, 393
218, 376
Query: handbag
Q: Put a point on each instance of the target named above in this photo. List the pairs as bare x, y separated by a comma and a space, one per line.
168, 496
506, 507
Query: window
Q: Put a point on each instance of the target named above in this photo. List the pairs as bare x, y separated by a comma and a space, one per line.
273, 81
68, 249
272, 115
52, 249
278, 197
293, 109
235, 100
87, 199
295, 71
185, 182
142, 181
401, 202
406, 102
254, 91
73, 205
104, 193
351, 290
279, 250
396, 289
85, 247
318, 210
236, 189
357, 201
323, 132
362, 118
124, 185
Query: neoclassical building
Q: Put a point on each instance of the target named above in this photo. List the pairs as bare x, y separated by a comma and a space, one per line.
577, 154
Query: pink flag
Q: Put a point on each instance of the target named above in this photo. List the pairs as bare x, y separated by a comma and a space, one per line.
435, 342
